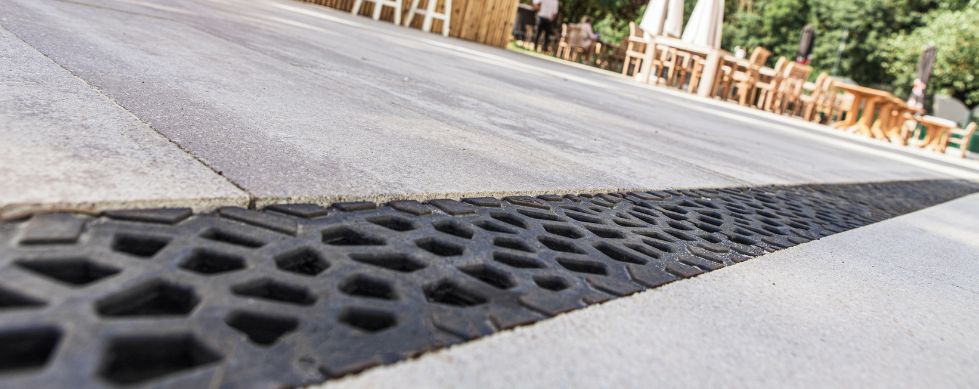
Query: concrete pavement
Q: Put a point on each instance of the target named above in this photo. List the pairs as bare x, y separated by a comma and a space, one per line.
890, 305
66, 146
296, 102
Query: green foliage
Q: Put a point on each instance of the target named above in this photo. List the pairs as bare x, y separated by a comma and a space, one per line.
955, 34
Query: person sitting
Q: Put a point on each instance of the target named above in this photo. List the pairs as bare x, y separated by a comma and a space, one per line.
588, 37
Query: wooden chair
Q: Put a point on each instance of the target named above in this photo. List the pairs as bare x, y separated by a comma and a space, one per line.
765, 90
686, 66
635, 48
809, 104
378, 7
429, 14
786, 97
563, 44
736, 83
962, 137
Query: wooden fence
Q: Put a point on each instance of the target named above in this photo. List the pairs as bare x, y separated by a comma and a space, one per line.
485, 21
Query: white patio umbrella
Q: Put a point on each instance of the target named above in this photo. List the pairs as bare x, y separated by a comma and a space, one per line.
673, 25
704, 26
653, 18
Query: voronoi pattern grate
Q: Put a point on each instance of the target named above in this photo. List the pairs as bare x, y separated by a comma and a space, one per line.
296, 294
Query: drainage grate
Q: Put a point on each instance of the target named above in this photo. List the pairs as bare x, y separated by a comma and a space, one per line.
297, 294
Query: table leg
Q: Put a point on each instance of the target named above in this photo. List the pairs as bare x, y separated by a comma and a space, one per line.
866, 116
647, 60
851, 115
712, 66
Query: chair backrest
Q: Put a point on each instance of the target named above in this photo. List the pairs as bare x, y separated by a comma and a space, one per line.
759, 55
965, 137
635, 42
779, 68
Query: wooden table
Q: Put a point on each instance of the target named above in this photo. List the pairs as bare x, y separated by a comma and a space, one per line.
870, 99
936, 132
890, 123
704, 85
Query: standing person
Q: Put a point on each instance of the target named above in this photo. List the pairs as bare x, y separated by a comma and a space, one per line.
546, 12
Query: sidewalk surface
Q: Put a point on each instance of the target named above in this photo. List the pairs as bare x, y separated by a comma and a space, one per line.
890, 305
277, 100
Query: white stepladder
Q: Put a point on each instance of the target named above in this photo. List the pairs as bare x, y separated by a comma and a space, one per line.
378, 6
430, 15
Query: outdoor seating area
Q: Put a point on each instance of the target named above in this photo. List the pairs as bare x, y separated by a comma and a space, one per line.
659, 51
484, 21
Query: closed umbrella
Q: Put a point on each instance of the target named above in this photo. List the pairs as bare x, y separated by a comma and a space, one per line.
805, 45
704, 26
673, 25
653, 18
925, 63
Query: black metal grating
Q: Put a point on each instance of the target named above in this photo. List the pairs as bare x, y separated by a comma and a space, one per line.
298, 294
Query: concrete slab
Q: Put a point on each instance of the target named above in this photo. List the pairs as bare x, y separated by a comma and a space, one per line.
296, 102
66, 146
888, 305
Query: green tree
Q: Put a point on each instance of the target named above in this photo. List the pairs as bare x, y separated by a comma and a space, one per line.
955, 34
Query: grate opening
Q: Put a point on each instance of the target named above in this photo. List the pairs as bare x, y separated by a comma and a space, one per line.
14, 300
708, 227
560, 245
626, 222
680, 226
562, 230
517, 261
710, 238
134, 360
275, 291
454, 228
555, 284
344, 236
364, 286
512, 243
492, 226
607, 233
439, 247
397, 262
72, 271
261, 328
448, 293
394, 223
304, 261
219, 235
644, 250
742, 240
489, 275
153, 298
583, 218
27, 349
582, 266
210, 262
619, 254
680, 235
369, 320
141, 246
